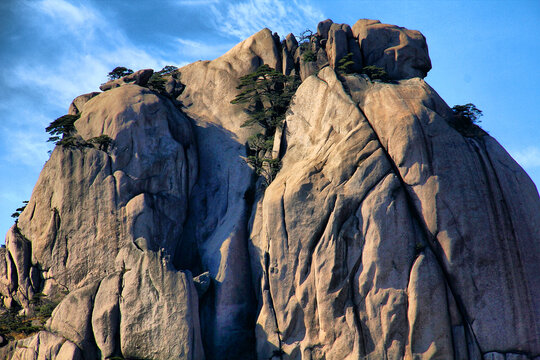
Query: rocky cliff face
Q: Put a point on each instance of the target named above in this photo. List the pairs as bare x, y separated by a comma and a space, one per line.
386, 233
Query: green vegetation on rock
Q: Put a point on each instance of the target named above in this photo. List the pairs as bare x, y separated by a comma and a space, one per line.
119, 72
16, 326
375, 73
309, 56
19, 210
267, 94
346, 64
61, 128
465, 120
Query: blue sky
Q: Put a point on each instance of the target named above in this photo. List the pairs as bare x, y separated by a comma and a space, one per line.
484, 52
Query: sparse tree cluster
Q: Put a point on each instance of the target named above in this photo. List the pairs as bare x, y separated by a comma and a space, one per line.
267, 94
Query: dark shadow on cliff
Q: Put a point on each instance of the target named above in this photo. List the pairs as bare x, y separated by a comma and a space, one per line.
215, 239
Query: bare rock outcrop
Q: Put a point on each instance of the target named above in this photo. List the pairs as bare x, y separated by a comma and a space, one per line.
386, 234
88, 207
136, 192
365, 247
401, 52
140, 78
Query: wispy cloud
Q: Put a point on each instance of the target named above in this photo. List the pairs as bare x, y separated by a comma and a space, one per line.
197, 2
528, 157
91, 45
245, 18
60, 9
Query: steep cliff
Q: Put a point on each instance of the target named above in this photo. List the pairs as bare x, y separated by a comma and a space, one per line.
386, 233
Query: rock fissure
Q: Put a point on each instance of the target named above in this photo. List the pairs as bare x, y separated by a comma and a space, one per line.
430, 240
386, 233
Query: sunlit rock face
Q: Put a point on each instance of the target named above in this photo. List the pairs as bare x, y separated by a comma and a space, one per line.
385, 234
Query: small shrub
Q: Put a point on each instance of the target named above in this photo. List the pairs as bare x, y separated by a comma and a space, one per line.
156, 83
18, 211
259, 142
465, 120
309, 56
102, 142
375, 73
61, 127
119, 72
346, 64
267, 94
13, 325
72, 141
167, 70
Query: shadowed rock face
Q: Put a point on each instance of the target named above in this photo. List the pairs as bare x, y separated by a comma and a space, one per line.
386, 233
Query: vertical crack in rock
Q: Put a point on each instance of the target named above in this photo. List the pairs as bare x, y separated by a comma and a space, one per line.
271, 300
418, 218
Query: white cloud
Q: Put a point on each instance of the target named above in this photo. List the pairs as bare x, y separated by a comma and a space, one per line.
197, 2
528, 157
91, 47
246, 18
64, 10
79, 19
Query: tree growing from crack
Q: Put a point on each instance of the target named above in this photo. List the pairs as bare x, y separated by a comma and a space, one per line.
266, 94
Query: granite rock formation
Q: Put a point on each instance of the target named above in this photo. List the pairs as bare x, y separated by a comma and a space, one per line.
386, 233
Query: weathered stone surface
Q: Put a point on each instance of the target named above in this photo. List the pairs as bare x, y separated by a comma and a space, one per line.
5, 282
219, 209
401, 52
140, 78
159, 308
337, 44
323, 28
386, 233
106, 316
202, 283
19, 250
481, 211
493, 356
77, 104
363, 222
89, 203
71, 319
41, 346
174, 86
291, 43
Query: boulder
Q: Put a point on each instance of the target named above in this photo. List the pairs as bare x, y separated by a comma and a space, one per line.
71, 319
158, 305
77, 104
402, 53
106, 315
323, 28
337, 44
41, 346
